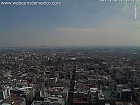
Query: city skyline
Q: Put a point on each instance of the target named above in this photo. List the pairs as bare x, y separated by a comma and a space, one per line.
73, 23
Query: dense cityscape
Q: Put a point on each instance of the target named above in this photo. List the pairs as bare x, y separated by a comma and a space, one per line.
70, 76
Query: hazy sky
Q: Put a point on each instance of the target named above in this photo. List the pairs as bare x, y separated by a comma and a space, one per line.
74, 22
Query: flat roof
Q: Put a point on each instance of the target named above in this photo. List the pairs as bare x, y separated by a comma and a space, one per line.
6, 104
80, 100
124, 90
107, 94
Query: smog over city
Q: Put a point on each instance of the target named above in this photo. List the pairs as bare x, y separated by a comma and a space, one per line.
70, 52
69, 23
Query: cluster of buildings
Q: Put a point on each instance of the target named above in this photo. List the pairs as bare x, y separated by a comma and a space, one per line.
70, 76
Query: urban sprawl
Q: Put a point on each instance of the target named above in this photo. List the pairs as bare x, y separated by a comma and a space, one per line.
70, 76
